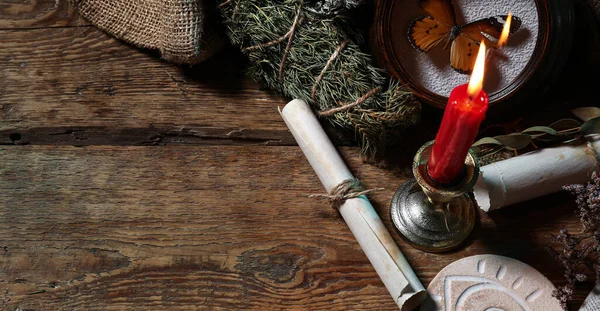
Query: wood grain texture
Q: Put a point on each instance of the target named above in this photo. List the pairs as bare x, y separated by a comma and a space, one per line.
211, 227
78, 86
15, 14
213, 216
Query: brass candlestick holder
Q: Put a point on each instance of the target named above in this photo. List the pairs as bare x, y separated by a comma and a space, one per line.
430, 216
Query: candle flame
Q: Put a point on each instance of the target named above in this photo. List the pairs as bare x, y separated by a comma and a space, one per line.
505, 31
476, 82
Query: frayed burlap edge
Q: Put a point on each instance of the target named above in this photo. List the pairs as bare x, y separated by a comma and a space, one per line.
181, 30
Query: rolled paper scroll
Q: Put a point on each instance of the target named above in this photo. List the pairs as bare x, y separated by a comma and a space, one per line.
537, 173
358, 213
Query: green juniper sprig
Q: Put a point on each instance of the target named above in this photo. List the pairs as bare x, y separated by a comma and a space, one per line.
295, 49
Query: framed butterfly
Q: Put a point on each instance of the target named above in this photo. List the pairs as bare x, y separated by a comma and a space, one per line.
439, 26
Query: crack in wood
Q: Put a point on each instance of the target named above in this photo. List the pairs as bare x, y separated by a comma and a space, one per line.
144, 136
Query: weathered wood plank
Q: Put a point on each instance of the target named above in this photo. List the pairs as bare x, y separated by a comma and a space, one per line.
224, 227
78, 86
38, 14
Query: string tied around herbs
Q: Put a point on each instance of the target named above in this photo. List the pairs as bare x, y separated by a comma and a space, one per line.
324, 70
342, 106
290, 39
314, 57
347, 189
345, 107
298, 19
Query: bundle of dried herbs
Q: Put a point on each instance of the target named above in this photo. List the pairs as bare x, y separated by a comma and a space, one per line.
310, 51
580, 252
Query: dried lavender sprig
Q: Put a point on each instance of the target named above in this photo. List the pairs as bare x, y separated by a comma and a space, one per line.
580, 253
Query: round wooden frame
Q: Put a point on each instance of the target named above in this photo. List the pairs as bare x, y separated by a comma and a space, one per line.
556, 23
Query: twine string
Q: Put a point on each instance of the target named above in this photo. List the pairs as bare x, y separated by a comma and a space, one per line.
329, 62
272, 42
347, 189
345, 107
298, 19
235, 9
289, 43
224, 4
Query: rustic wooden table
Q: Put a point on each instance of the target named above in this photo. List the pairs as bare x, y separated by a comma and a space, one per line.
128, 182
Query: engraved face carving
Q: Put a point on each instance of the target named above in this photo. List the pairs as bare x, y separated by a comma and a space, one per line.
490, 283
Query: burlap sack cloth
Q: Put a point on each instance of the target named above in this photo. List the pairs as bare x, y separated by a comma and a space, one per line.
183, 31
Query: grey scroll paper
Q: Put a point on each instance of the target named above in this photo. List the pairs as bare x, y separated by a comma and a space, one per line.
537, 173
358, 213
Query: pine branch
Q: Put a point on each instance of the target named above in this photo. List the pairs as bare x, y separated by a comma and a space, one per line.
315, 57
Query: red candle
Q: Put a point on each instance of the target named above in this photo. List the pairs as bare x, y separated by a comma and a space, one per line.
464, 112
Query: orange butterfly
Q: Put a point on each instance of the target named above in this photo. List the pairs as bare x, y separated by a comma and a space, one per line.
440, 25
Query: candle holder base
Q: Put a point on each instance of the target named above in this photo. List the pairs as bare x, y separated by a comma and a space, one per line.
435, 217
431, 227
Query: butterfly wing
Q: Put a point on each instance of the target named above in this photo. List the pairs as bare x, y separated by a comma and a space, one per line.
463, 53
483, 29
466, 45
425, 32
440, 10
428, 31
